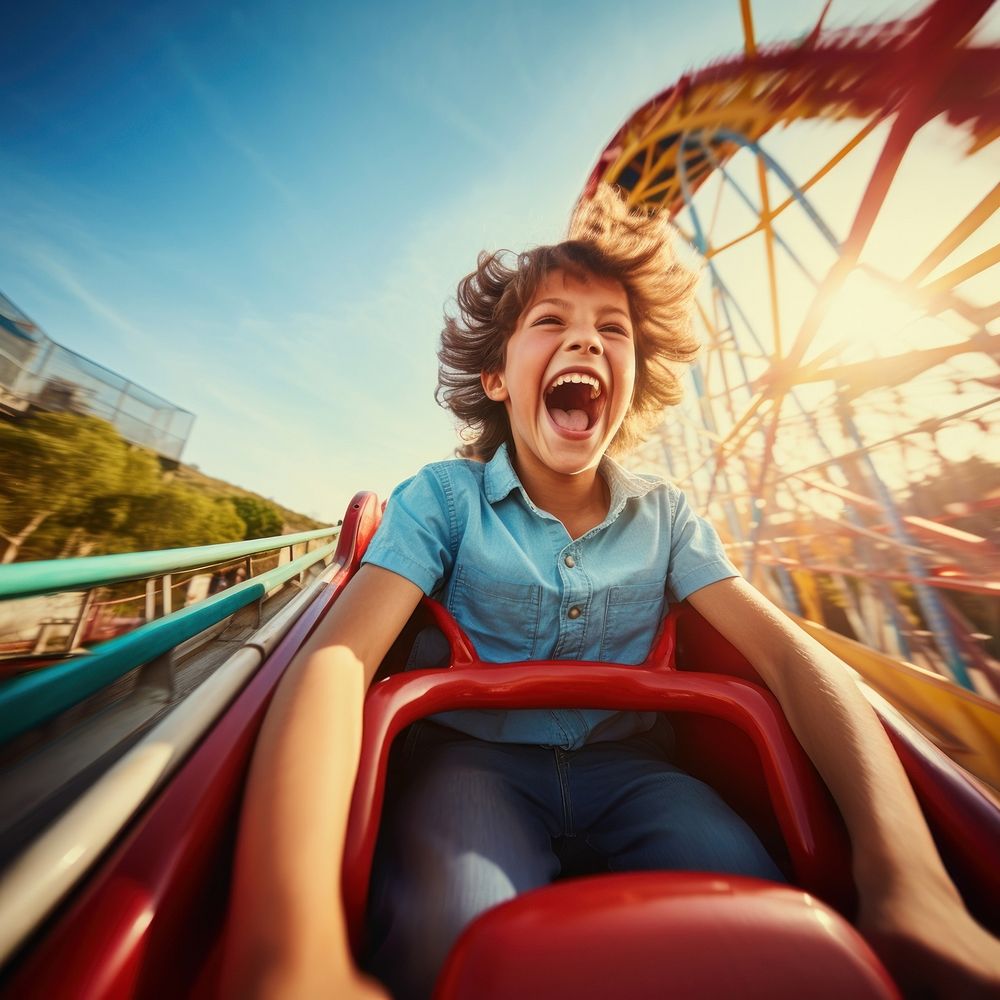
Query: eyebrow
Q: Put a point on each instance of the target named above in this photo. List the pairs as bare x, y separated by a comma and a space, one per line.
567, 305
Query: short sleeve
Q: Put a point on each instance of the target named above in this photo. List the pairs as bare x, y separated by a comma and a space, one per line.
416, 538
697, 557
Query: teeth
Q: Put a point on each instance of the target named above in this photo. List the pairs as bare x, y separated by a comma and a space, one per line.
595, 386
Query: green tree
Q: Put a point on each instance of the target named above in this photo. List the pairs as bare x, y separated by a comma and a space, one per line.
176, 517
222, 523
54, 465
261, 518
95, 529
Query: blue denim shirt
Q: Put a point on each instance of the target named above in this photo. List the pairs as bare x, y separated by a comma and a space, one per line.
467, 534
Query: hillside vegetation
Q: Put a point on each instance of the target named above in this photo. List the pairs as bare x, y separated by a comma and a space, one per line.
196, 479
70, 485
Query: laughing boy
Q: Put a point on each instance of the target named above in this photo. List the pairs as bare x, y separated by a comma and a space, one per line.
545, 548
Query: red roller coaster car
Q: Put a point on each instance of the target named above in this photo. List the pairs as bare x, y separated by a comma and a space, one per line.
149, 921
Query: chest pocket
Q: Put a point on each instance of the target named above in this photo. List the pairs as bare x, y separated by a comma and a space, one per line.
630, 624
500, 617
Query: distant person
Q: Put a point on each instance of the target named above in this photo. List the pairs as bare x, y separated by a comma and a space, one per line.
223, 579
547, 549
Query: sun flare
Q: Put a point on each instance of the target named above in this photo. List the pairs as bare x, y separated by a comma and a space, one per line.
868, 318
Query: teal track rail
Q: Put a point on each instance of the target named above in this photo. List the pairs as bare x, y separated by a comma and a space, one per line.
53, 576
31, 699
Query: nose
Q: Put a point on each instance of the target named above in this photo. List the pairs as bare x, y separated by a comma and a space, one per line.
585, 340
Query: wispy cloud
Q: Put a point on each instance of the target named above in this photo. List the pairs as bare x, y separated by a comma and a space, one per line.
69, 281
221, 118
435, 101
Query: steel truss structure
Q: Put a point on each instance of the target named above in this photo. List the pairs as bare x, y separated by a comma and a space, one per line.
806, 445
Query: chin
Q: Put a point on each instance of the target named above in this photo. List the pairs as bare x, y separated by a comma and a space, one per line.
573, 462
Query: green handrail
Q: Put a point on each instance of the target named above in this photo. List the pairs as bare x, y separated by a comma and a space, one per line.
52, 576
31, 699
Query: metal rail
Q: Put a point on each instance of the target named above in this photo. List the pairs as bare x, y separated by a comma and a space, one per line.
52, 576
57, 859
54, 861
32, 698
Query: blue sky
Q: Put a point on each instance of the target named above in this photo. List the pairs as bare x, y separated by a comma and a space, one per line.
258, 210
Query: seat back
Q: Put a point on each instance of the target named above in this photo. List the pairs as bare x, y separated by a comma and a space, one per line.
647, 935
762, 755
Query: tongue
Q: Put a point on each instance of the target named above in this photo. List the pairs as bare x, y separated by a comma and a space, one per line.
571, 420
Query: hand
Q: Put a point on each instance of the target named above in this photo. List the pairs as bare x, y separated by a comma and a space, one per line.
933, 948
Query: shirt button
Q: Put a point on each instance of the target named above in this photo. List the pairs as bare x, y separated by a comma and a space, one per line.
574, 612
570, 561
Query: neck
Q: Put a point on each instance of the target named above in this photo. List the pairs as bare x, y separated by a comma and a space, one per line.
580, 500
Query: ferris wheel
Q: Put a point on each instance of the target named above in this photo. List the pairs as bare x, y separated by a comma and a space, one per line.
840, 192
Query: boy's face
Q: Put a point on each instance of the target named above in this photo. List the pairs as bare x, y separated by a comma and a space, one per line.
569, 372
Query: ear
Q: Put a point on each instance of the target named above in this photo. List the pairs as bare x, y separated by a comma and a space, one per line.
493, 386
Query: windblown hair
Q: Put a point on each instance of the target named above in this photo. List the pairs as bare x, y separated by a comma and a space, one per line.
606, 240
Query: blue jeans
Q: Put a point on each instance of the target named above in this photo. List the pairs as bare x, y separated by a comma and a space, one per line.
474, 825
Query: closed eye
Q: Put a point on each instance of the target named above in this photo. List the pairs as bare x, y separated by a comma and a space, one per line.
543, 320
615, 328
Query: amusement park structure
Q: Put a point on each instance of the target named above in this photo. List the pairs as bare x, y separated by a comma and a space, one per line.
832, 376
810, 443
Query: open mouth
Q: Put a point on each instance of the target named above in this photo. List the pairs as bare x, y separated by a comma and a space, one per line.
575, 401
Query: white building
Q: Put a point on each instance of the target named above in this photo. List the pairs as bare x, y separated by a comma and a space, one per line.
36, 372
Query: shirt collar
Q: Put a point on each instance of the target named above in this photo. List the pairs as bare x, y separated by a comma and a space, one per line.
500, 478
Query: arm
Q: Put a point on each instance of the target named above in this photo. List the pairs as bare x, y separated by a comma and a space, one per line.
910, 909
285, 934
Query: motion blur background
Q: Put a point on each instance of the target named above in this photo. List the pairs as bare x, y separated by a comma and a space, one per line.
259, 214
231, 232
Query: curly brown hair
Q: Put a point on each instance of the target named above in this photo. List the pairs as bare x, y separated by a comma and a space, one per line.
607, 240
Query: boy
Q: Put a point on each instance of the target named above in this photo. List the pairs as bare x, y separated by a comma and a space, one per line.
546, 549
